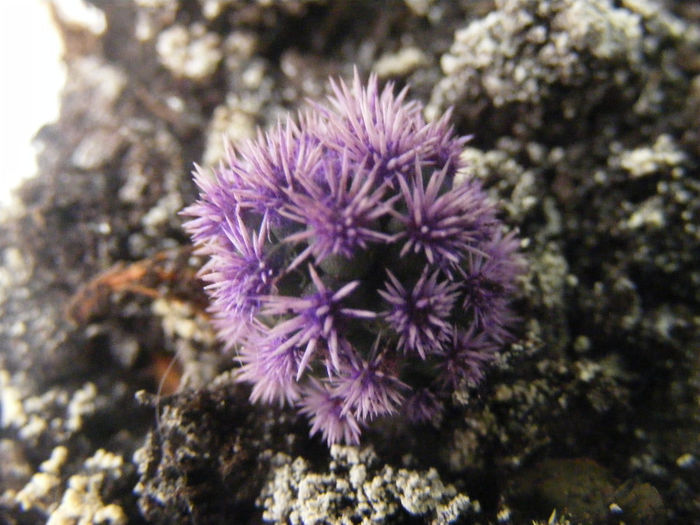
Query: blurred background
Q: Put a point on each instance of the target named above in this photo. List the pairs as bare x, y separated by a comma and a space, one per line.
31, 78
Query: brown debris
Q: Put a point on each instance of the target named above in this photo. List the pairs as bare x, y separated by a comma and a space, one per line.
168, 273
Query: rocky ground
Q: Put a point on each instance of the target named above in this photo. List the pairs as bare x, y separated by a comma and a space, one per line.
117, 405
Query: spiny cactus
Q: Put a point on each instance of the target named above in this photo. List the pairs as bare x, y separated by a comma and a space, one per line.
351, 274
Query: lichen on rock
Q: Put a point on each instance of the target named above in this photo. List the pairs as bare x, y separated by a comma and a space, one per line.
355, 489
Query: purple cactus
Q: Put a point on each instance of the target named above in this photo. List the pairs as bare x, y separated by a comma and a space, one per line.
350, 272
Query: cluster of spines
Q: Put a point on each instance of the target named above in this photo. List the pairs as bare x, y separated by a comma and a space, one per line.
353, 277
